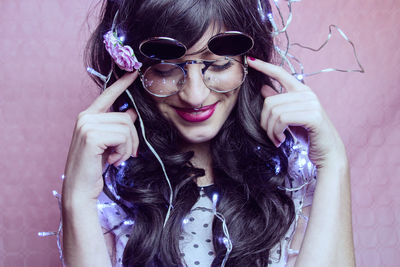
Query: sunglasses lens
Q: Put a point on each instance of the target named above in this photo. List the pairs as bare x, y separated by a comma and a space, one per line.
162, 48
230, 44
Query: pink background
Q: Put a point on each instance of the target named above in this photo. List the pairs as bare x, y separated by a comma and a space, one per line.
44, 86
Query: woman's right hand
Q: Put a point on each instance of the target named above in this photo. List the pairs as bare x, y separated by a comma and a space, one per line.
99, 137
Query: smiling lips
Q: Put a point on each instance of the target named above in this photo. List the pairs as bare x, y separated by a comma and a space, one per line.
196, 115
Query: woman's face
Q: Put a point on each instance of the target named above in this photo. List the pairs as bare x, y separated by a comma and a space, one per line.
197, 126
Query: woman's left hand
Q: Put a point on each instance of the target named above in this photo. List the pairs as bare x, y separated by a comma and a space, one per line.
299, 106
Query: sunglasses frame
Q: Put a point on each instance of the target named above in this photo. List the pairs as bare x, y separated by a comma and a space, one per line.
179, 44
208, 62
227, 34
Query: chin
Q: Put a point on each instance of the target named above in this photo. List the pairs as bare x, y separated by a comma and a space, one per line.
198, 137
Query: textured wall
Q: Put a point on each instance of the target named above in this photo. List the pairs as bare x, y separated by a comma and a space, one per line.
43, 86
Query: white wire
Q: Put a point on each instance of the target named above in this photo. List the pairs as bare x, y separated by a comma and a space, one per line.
155, 154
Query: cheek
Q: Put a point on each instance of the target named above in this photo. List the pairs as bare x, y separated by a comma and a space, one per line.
232, 97
162, 107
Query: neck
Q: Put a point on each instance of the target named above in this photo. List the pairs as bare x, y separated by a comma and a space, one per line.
201, 159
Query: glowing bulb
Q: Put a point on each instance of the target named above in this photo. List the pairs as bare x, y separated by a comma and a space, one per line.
215, 198
63, 177
223, 240
122, 38
185, 221
123, 164
129, 222
106, 205
277, 169
300, 77
123, 107
302, 162
309, 165
41, 234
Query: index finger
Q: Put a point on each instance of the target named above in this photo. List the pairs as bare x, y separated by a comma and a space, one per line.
110, 94
279, 74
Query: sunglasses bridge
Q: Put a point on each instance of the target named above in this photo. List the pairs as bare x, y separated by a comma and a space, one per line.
182, 65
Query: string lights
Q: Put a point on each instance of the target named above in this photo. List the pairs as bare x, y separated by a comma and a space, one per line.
287, 59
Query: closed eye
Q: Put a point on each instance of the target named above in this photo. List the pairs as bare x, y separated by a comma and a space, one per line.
164, 70
221, 65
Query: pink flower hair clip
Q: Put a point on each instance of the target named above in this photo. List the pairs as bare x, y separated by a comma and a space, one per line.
122, 55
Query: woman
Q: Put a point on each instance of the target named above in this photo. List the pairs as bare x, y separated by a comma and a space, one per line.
222, 136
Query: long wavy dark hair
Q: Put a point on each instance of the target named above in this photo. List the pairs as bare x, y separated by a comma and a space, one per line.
246, 165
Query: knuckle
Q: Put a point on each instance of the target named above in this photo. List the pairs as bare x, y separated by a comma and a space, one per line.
317, 106
82, 114
281, 119
124, 115
128, 119
127, 133
267, 101
83, 129
310, 94
275, 113
83, 118
79, 125
89, 137
317, 117
306, 95
125, 138
125, 118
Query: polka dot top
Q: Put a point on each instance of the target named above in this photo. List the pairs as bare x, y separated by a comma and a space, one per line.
195, 242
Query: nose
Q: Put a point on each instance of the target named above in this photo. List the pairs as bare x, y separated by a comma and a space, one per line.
194, 91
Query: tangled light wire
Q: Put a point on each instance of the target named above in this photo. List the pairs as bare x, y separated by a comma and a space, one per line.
286, 59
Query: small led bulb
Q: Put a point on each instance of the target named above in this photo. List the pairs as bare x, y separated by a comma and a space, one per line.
129, 222
215, 198
300, 77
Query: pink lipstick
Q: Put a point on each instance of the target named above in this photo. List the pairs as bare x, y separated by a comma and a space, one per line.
196, 114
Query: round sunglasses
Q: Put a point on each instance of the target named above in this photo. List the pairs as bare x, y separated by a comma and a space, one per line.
221, 75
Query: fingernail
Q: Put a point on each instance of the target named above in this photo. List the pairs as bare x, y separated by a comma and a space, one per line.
278, 144
281, 138
252, 58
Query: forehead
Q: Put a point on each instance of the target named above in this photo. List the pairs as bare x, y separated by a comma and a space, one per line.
201, 45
